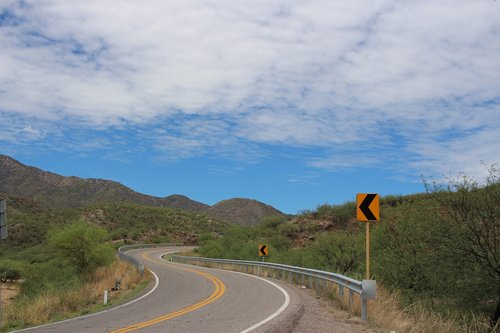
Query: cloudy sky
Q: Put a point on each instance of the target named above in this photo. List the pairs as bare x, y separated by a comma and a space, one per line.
293, 103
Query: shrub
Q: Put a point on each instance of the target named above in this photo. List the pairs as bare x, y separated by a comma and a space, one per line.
289, 229
83, 244
11, 270
273, 221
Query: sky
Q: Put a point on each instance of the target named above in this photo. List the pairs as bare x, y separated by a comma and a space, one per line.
293, 103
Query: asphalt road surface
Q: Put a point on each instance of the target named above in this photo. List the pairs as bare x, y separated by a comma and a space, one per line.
187, 298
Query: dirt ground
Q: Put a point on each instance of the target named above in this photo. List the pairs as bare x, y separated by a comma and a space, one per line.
7, 292
321, 315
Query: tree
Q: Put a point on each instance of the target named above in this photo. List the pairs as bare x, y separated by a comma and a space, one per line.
472, 226
340, 252
83, 244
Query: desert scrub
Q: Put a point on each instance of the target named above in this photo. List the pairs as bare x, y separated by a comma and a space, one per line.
52, 304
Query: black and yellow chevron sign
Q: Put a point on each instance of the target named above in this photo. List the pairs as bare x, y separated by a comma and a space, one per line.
263, 250
367, 207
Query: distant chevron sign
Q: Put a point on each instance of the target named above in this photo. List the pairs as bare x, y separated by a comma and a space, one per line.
367, 207
263, 250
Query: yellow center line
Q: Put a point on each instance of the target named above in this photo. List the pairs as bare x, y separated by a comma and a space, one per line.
218, 292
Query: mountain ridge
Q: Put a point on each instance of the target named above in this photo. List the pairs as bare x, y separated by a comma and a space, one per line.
57, 191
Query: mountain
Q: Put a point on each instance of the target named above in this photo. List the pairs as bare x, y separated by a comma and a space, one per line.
242, 211
68, 192
56, 191
183, 202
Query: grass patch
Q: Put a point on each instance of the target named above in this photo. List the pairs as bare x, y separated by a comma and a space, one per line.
55, 305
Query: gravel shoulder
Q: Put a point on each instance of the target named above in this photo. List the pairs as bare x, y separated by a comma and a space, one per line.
321, 315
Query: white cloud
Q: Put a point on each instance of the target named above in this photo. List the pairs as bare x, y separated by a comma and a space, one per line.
31, 133
331, 74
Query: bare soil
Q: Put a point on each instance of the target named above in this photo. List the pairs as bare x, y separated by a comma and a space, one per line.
7, 292
321, 315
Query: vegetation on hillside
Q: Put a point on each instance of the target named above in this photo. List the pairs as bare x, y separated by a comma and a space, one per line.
29, 221
64, 275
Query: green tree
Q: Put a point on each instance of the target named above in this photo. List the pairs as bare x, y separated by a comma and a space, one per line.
406, 250
471, 230
340, 251
83, 244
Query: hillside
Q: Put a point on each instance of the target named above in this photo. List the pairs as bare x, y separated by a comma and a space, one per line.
182, 202
29, 220
68, 192
242, 211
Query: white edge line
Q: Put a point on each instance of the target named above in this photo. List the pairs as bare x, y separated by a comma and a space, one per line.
277, 313
271, 317
157, 282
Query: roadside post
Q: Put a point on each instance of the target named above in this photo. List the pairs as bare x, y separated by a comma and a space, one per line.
367, 210
3, 235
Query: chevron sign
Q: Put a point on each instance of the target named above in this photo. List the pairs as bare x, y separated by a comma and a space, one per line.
367, 207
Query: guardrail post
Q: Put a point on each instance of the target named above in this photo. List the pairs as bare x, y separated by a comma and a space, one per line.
341, 292
369, 291
310, 281
303, 279
350, 299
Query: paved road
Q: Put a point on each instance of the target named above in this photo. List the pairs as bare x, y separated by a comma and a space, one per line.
192, 299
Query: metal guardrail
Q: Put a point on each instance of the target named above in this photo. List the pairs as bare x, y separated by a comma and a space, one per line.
315, 279
122, 253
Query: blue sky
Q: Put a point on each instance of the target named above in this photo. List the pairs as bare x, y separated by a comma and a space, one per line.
291, 103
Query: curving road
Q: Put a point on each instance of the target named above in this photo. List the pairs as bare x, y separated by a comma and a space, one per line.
192, 299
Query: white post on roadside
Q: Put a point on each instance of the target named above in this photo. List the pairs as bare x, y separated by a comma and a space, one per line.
105, 296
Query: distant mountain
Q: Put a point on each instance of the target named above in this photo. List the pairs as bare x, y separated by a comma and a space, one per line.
67, 192
58, 191
183, 202
242, 211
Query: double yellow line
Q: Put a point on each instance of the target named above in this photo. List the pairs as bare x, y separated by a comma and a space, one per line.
220, 288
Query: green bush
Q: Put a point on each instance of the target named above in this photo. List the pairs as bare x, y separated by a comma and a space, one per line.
12, 270
83, 244
273, 221
338, 214
289, 229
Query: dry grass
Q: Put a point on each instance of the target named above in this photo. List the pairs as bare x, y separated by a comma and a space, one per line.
387, 313
55, 305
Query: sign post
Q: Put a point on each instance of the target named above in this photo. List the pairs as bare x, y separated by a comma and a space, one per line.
367, 209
